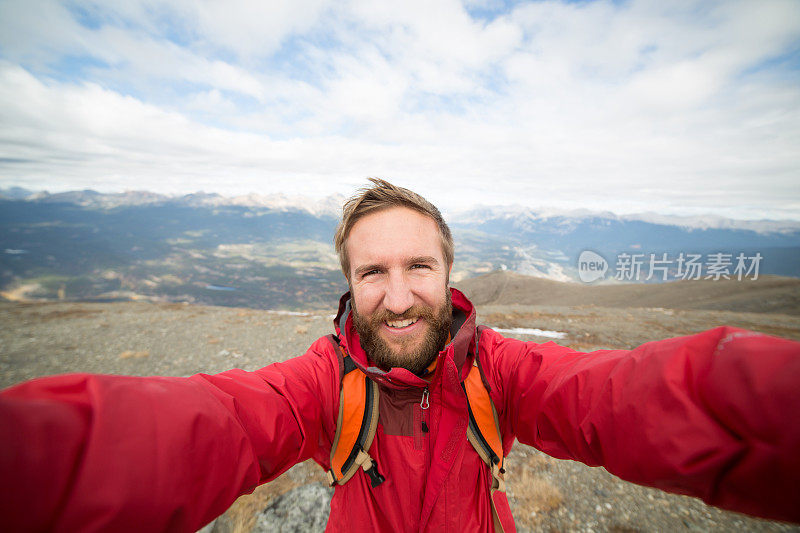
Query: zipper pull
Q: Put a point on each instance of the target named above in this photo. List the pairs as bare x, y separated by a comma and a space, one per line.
424, 404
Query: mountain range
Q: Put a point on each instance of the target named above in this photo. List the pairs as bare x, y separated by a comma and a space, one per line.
274, 251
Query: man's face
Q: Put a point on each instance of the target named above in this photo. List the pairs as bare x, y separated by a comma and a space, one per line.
398, 281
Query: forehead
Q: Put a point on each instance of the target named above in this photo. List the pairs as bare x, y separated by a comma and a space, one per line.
393, 234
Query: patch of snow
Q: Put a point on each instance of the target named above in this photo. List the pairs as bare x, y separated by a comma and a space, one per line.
532, 331
289, 313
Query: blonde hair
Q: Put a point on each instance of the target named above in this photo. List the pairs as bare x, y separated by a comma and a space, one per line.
383, 195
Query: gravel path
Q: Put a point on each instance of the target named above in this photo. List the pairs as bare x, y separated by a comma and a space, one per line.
179, 340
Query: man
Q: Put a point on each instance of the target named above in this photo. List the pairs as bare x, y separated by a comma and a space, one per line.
714, 415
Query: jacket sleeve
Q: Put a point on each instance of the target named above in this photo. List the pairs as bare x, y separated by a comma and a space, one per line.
714, 415
113, 453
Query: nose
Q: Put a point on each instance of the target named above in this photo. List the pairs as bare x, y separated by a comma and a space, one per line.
399, 296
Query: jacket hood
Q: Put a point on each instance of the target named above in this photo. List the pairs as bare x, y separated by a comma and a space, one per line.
462, 335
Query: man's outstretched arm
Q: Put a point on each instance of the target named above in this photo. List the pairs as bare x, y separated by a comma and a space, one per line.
113, 453
715, 415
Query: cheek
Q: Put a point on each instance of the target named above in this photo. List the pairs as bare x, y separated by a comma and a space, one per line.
367, 299
433, 292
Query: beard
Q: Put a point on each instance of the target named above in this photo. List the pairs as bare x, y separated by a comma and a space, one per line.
415, 360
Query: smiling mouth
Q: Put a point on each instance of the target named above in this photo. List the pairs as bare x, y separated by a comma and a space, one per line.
398, 324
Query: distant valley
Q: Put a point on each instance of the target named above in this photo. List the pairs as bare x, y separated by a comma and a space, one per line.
274, 252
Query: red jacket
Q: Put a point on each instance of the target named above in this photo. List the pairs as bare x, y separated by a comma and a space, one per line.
714, 415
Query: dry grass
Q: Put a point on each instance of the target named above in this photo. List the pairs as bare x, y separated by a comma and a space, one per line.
534, 495
131, 354
779, 331
78, 312
530, 491
174, 306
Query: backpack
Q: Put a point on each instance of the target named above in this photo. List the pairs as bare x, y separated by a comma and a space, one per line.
358, 419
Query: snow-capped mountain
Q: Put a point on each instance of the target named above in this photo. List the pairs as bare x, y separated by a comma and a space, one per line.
529, 219
328, 206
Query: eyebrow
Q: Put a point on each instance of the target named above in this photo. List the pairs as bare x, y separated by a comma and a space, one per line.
425, 259
366, 268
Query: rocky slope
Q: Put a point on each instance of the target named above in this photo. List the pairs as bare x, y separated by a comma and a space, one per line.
545, 494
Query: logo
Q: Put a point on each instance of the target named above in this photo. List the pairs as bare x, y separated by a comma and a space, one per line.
591, 266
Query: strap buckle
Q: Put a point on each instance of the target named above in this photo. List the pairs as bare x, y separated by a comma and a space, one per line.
370, 468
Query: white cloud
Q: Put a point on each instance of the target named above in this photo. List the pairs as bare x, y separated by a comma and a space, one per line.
37, 30
670, 106
255, 28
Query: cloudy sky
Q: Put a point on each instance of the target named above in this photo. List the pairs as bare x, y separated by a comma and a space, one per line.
668, 106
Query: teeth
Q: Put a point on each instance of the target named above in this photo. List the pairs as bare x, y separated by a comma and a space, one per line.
401, 323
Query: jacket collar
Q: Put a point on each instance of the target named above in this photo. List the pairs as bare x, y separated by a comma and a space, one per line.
462, 336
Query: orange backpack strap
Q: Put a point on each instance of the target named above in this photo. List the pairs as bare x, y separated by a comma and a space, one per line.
356, 423
483, 431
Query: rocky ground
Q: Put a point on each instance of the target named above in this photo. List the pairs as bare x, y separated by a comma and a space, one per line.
546, 494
